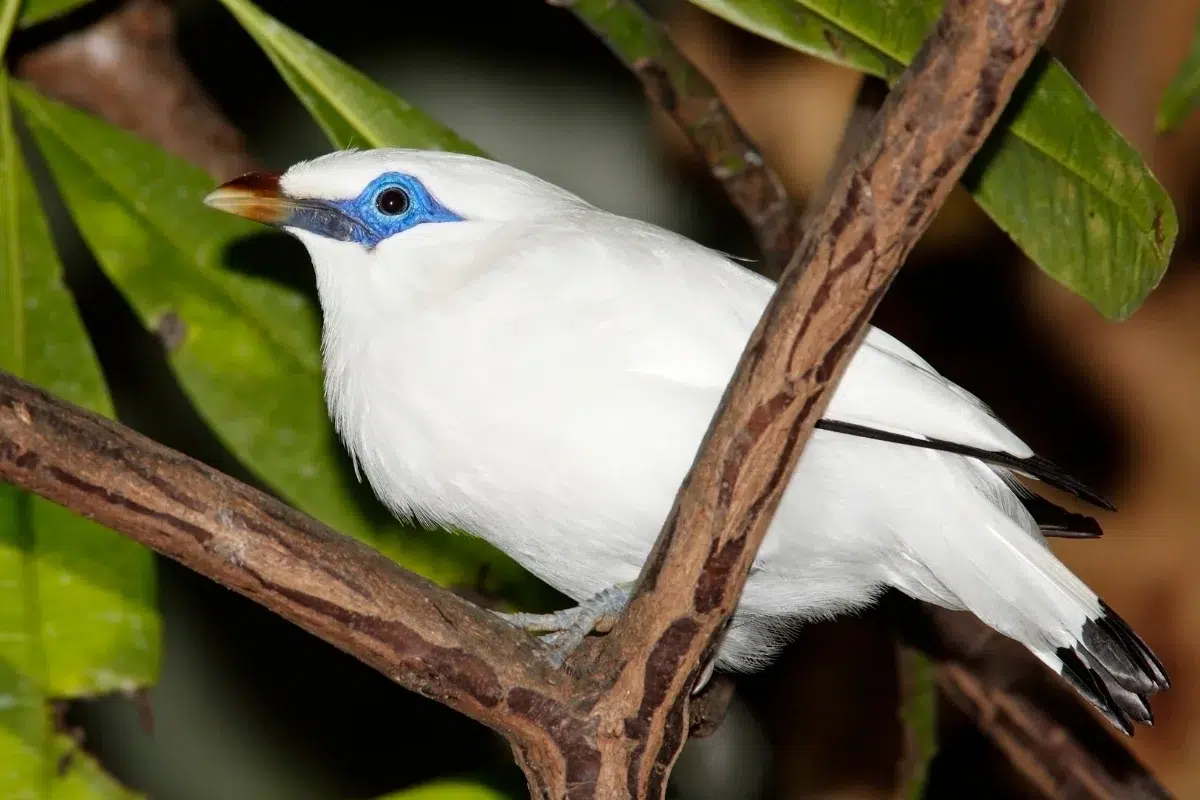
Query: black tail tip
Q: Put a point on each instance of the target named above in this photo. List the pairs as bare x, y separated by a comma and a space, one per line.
1114, 670
1121, 708
1132, 663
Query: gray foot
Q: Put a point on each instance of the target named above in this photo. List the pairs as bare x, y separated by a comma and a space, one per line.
564, 630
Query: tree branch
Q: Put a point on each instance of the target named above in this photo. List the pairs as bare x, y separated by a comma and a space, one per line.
678, 88
418, 634
930, 126
1046, 753
983, 692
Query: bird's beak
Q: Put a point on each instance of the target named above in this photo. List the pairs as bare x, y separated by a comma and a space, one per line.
254, 196
257, 196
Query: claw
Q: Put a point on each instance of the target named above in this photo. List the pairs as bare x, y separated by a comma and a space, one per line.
559, 645
705, 676
563, 631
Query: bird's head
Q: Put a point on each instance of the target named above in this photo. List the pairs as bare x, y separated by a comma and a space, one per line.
361, 207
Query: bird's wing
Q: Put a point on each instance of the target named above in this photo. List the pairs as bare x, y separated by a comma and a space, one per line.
887, 386
887, 392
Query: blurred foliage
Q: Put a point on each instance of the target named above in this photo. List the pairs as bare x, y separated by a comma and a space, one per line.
244, 345
77, 601
35, 11
1183, 94
68, 773
9, 11
353, 110
918, 718
448, 790
1055, 176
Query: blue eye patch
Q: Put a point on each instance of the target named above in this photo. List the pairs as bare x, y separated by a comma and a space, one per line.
390, 204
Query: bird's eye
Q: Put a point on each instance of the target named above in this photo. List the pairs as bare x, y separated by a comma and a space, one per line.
392, 201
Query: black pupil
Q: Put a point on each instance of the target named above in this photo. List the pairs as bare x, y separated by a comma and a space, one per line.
392, 201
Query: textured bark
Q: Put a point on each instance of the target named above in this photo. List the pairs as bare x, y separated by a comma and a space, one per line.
420, 635
932, 123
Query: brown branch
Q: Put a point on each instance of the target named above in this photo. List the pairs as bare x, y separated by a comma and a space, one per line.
423, 637
1046, 753
960, 635
930, 126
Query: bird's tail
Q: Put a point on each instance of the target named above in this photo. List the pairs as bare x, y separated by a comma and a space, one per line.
1111, 667
1005, 574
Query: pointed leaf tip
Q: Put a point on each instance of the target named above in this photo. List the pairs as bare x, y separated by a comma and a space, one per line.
353, 110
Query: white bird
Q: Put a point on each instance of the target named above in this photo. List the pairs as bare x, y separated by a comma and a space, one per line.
503, 358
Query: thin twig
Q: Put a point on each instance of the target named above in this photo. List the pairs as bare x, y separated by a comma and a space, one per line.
678, 88
991, 680
868, 100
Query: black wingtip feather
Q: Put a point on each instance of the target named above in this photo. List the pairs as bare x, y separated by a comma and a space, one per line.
1035, 466
1067, 533
1054, 520
1047, 471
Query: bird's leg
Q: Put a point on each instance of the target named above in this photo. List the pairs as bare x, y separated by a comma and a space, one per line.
564, 630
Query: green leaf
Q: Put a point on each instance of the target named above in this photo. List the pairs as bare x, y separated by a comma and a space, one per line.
1055, 176
1183, 95
245, 348
353, 110
77, 601
35, 11
60, 771
8, 21
448, 790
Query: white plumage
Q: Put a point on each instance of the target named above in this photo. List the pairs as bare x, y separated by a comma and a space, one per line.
504, 358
